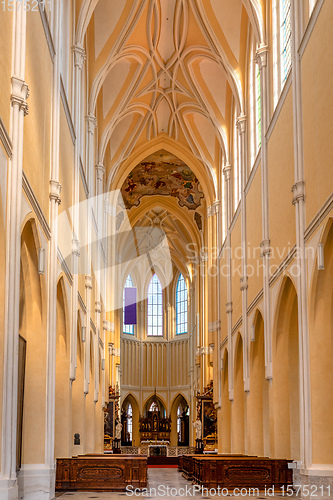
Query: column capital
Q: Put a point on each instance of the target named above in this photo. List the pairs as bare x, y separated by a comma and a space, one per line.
244, 283
298, 191
227, 171
214, 326
88, 282
79, 55
228, 307
100, 170
261, 56
55, 190
265, 248
76, 247
20, 94
91, 123
241, 123
213, 209
98, 307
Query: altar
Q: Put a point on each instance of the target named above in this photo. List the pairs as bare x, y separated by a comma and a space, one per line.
157, 450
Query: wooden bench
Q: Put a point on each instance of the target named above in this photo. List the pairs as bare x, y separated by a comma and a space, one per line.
238, 472
101, 472
186, 463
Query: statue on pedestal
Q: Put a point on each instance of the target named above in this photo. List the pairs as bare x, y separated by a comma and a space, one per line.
198, 427
119, 427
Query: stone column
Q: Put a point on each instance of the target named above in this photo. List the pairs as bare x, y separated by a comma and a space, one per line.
261, 60
299, 201
227, 176
88, 287
98, 310
79, 59
19, 109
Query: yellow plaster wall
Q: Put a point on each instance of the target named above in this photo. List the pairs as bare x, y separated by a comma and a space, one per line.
37, 125
6, 24
281, 179
66, 160
254, 236
317, 77
236, 271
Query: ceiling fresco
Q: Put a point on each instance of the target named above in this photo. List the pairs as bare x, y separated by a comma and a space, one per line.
162, 174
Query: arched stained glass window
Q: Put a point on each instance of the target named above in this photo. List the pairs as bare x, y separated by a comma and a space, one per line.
155, 308
127, 328
285, 34
181, 306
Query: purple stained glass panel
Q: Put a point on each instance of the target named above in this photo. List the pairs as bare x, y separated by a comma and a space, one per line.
130, 306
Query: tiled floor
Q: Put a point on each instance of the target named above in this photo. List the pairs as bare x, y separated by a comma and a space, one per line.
162, 483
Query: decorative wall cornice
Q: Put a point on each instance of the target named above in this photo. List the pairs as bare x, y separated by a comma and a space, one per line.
5, 139
35, 206
47, 31
81, 303
65, 267
214, 326
67, 111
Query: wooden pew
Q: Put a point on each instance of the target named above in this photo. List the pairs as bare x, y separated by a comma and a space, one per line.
241, 472
101, 472
186, 463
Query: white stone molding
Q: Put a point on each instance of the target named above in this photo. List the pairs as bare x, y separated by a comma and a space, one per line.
214, 326
261, 56
5, 139
19, 109
213, 209
55, 190
244, 283
299, 203
79, 55
91, 123
64, 266
35, 206
67, 111
228, 309
298, 191
326, 208
47, 30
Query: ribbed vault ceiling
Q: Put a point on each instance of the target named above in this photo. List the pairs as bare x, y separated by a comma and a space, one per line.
166, 69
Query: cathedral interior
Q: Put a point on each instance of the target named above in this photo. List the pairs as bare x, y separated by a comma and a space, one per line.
166, 235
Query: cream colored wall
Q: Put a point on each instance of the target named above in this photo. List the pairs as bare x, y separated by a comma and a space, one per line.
37, 129
6, 27
254, 236
236, 266
281, 179
317, 75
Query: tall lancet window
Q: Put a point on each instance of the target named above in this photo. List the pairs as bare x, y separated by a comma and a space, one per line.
155, 308
181, 306
127, 328
285, 34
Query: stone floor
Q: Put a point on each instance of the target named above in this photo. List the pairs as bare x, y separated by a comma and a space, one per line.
163, 483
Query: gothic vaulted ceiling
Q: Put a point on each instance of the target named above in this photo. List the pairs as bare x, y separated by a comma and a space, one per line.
166, 71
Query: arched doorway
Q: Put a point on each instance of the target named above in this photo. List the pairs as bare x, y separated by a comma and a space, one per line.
286, 375
238, 403
180, 421
321, 355
32, 330
62, 441
130, 421
258, 431
225, 435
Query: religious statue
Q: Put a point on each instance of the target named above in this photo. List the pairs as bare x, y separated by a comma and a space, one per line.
119, 426
198, 427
